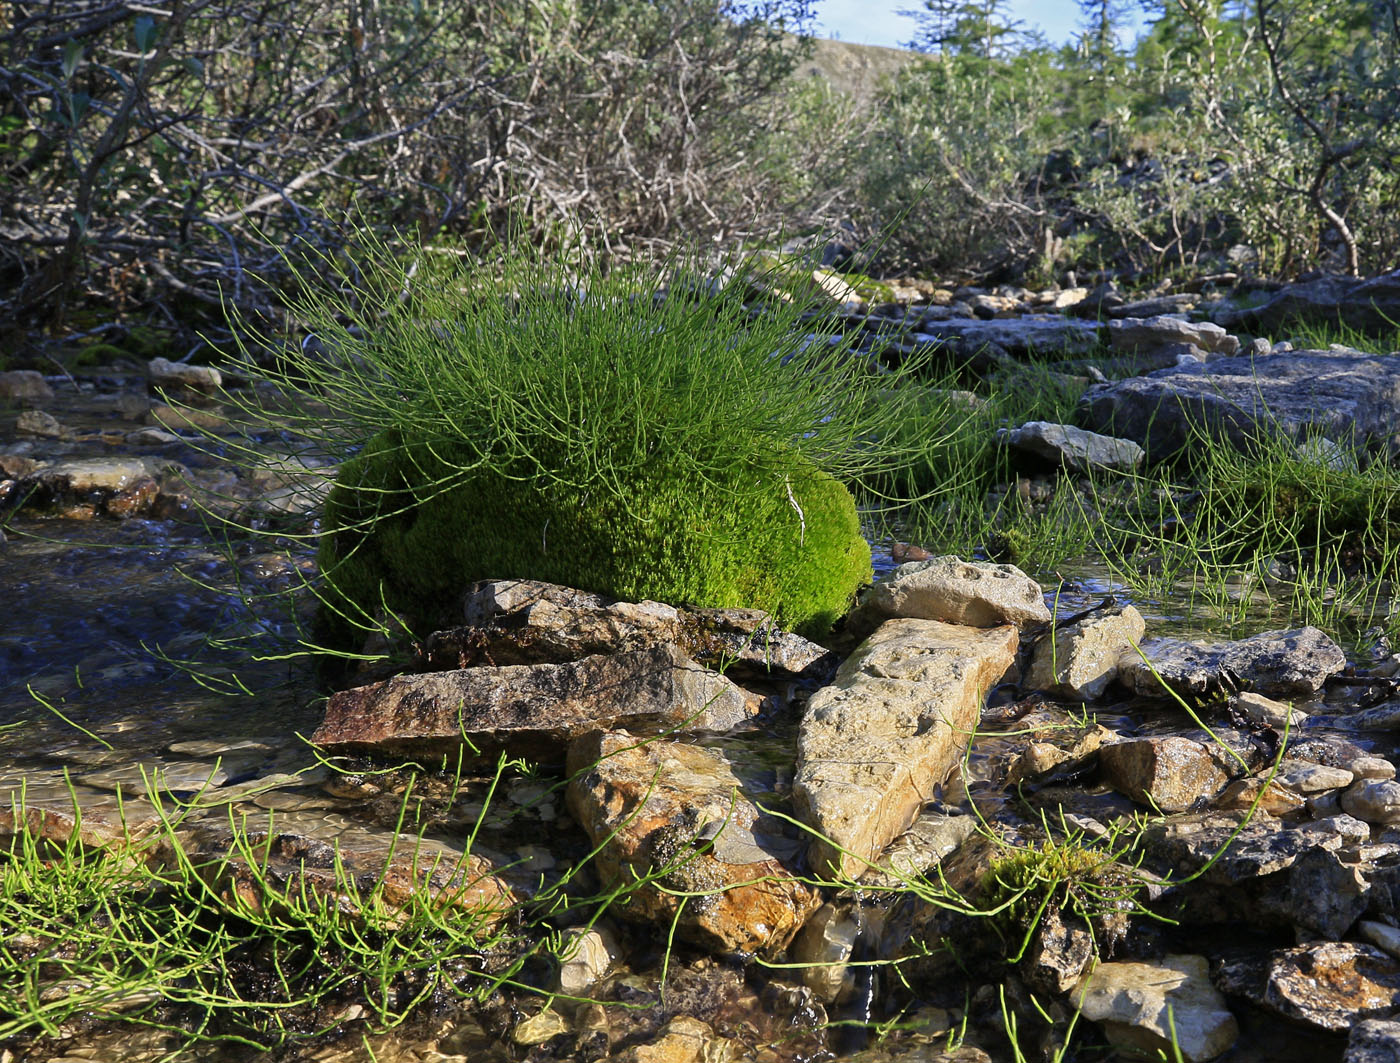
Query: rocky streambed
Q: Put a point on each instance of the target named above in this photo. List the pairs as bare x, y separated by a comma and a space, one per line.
990, 807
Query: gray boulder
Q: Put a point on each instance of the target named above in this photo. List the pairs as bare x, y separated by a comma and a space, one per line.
1347, 396
1280, 663
1074, 448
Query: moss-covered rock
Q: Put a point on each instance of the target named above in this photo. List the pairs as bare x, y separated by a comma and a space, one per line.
409, 525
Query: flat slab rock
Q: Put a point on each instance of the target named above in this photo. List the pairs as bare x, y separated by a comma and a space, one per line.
533, 710
875, 743
1147, 1007
1262, 846
1343, 395
1020, 336
972, 593
1074, 448
533, 622
679, 812
1278, 663
1329, 985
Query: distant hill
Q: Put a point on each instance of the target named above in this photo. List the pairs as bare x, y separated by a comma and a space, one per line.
853, 68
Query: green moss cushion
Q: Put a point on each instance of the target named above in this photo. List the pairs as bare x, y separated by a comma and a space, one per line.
409, 526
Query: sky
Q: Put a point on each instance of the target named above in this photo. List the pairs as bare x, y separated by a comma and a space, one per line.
877, 21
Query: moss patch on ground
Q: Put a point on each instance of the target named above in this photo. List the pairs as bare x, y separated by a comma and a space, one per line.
407, 529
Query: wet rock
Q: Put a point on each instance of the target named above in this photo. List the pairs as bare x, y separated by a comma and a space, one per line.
50, 808
874, 745
1343, 395
1074, 448
532, 622
170, 375
934, 835
532, 710
826, 943
683, 1040
40, 424
1171, 774
185, 418
1080, 660
1373, 801
586, 958
1266, 712
1326, 891
540, 1028
1309, 778
975, 593
1287, 663
1258, 845
1060, 952
1330, 985
1131, 335
1373, 1041
679, 812
1147, 1007
1383, 717
24, 385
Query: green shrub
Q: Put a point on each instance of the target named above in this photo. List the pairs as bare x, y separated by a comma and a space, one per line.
642, 434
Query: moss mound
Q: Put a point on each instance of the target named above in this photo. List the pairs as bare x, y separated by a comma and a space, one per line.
410, 524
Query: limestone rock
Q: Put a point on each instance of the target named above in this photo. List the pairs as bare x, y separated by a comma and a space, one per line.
934, 835
1373, 801
1266, 712
680, 812
1059, 954
533, 622
178, 375
1373, 1041
1347, 396
975, 593
540, 1028
1171, 773
1129, 335
1023, 336
1330, 985
874, 745
1074, 448
532, 710
1287, 663
1080, 660
827, 943
1309, 778
1377, 768
1130, 1001
586, 958
683, 1040
24, 385
1382, 935
1275, 798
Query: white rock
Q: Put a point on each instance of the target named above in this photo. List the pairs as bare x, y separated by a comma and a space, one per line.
1131, 1002
1266, 712
1082, 659
586, 959
1373, 801
975, 593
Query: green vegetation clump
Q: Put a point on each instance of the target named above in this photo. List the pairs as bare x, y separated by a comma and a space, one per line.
640, 434
788, 543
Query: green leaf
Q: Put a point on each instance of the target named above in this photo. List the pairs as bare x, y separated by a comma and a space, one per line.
143, 31
72, 56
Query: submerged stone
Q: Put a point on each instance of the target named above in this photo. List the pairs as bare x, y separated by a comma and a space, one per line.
676, 819
1147, 1008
